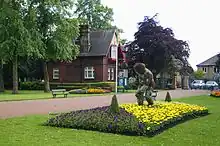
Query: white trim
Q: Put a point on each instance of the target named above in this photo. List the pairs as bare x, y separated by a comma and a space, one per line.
109, 74
56, 73
112, 74
204, 69
89, 72
216, 70
113, 52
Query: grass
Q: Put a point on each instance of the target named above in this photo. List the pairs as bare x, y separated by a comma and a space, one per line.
34, 95
25, 131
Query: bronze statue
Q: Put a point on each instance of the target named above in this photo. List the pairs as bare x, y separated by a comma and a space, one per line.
145, 84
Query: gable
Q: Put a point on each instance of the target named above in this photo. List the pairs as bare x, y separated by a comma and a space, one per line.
100, 42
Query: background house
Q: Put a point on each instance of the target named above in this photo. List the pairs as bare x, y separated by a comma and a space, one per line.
96, 62
209, 67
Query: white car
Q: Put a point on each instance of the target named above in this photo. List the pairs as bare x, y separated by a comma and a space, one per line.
211, 84
198, 84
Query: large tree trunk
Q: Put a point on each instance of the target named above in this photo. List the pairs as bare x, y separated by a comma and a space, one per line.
2, 88
46, 79
15, 75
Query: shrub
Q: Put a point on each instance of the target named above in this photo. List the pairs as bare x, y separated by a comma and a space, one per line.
70, 87
78, 91
215, 93
95, 91
168, 97
103, 85
131, 119
31, 86
114, 107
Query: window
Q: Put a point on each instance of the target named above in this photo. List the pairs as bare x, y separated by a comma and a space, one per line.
89, 73
216, 70
113, 52
204, 69
56, 73
110, 73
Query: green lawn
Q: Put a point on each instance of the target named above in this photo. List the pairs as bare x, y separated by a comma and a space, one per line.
26, 131
33, 95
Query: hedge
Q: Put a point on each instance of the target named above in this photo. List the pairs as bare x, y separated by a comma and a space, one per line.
68, 86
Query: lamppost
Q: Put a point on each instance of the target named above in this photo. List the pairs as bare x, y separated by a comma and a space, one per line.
115, 47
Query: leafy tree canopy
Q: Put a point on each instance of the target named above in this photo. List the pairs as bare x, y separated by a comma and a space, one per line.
98, 16
155, 46
199, 74
95, 13
56, 27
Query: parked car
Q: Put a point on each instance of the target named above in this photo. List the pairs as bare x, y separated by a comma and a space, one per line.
198, 84
211, 85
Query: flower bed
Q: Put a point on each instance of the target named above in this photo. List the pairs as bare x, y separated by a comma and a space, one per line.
131, 119
89, 91
95, 91
215, 93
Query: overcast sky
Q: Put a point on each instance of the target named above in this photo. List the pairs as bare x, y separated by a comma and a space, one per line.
196, 21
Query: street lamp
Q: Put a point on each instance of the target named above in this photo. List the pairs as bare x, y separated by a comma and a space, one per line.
115, 47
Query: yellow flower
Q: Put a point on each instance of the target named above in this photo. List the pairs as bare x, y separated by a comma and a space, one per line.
161, 111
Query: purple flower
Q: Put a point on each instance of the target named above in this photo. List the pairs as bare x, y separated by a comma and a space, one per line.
140, 125
115, 118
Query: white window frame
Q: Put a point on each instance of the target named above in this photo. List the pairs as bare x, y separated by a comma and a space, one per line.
204, 69
113, 52
109, 74
56, 73
216, 70
112, 74
87, 70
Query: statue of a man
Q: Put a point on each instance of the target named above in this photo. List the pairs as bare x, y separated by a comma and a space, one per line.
145, 84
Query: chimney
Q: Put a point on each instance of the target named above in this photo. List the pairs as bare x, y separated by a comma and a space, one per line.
84, 38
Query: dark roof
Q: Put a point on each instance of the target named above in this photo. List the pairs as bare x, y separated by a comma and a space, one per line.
209, 62
100, 42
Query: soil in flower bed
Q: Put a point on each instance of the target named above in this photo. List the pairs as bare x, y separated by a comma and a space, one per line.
127, 121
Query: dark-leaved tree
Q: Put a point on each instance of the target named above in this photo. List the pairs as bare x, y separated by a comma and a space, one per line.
155, 46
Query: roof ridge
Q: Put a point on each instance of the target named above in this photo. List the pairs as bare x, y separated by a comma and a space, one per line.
208, 61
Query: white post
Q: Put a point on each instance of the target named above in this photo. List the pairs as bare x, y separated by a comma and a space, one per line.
116, 71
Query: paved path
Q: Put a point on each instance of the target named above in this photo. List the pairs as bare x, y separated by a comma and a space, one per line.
29, 107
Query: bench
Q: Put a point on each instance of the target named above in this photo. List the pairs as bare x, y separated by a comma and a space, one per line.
154, 94
59, 92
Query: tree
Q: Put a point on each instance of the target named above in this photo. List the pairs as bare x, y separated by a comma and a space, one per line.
123, 41
154, 45
168, 97
30, 68
16, 39
114, 107
199, 74
57, 30
95, 13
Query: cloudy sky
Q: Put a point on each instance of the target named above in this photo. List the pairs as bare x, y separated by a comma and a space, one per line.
196, 21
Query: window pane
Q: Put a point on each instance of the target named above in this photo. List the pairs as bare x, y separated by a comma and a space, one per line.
109, 73
112, 74
55, 73
90, 74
